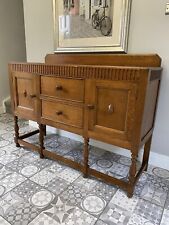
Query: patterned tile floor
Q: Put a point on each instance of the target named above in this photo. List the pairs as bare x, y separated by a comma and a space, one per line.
43, 192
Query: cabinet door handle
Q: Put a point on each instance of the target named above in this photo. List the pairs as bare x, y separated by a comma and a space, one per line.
33, 96
25, 93
110, 108
90, 106
59, 87
59, 113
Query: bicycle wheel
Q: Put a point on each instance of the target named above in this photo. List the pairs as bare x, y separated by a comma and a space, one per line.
95, 19
105, 25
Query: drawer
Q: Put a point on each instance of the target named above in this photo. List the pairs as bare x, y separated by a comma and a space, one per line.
70, 89
62, 113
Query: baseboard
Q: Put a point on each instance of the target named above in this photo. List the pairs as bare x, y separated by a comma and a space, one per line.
156, 159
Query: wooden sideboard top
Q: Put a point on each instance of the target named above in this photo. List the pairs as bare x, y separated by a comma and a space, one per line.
94, 66
144, 60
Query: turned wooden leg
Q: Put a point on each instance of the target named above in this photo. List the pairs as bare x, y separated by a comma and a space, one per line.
86, 157
147, 147
132, 174
41, 140
16, 127
44, 130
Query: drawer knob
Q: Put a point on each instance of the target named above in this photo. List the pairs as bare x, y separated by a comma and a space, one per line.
59, 113
110, 108
25, 93
90, 106
59, 87
33, 96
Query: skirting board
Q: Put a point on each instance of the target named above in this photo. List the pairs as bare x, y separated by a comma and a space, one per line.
156, 159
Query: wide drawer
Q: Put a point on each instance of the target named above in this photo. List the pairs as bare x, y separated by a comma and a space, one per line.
62, 113
70, 89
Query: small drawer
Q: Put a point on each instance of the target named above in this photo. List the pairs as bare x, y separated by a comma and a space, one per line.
62, 113
69, 89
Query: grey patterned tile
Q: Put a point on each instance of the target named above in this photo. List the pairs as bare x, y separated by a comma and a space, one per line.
19, 152
27, 189
79, 217
4, 143
104, 191
150, 211
69, 143
30, 157
125, 160
165, 218
12, 149
7, 158
154, 195
8, 202
9, 136
159, 183
87, 183
75, 155
138, 220
16, 165
33, 139
65, 214
104, 163
21, 123
55, 168
59, 211
93, 204
22, 214
167, 202
69, 174
6, 118
42, 198
57, 185
43, 219
3, 221
114, 215
73, 195
97, 151
100, 169
111, 156
42, 163
1, 165
43, 177
121, 199
140, 184
26, 129
159, 172
51, 143
11, 181
5, 128
2, 152
4, 172
119, 171
100, 222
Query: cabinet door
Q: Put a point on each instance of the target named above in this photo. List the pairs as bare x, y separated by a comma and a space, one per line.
25, 95
110, 110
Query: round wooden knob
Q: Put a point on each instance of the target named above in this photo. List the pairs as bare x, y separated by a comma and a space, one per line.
90, 106
59, 87
33, 96
59, 113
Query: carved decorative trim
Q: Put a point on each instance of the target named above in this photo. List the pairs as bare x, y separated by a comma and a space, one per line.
83, 72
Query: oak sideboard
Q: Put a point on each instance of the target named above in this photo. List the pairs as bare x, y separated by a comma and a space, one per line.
107, 97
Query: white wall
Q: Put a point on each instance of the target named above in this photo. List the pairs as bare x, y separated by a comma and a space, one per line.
38, 29
12, 40
149, 33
